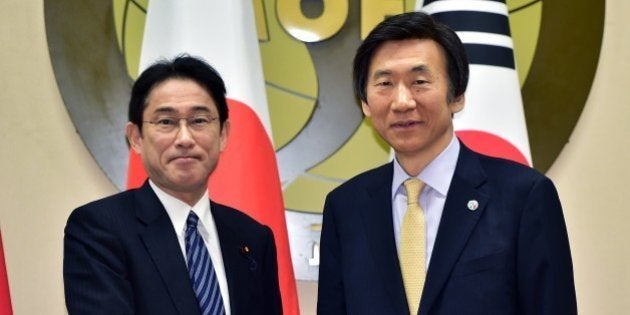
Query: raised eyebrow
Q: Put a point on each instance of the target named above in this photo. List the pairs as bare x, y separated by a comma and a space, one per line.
167, 110
171, 110
420, 69
381, 73
200, 108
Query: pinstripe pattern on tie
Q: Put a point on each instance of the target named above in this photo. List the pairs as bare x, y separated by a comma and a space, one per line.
201, 270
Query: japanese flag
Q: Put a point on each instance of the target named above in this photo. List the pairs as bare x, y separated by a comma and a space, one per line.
5, 297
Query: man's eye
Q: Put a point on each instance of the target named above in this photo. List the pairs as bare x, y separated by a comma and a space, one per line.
200, 120
165, 121
420, 81
383, 83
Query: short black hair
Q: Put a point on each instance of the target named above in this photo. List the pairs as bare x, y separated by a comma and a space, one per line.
413, 25
181, 67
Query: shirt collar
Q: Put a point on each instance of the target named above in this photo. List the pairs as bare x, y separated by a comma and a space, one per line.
178, 210
437, 174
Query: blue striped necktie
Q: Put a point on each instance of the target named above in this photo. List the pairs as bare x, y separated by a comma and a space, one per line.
201, 271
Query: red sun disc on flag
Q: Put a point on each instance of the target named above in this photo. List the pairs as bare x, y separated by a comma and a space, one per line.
492, 145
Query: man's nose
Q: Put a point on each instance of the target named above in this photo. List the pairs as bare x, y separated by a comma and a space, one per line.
403, 99
184, 136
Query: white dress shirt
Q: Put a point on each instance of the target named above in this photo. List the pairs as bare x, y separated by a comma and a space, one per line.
178, 212
437, 176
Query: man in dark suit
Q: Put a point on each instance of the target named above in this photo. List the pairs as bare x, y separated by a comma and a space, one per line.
166, 248
484, 235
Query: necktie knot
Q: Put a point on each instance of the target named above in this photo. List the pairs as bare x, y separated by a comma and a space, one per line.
413, 186
192, 220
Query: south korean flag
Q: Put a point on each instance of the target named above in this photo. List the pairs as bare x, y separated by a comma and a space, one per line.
493, 121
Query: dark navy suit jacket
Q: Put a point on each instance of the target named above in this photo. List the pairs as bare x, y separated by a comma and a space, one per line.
509, 256
121, 256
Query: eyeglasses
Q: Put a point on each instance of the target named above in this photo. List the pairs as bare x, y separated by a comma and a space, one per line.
168, 124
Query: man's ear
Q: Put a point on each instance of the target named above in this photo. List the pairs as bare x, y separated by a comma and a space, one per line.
457, 105
366, 109
223, 137
134, 137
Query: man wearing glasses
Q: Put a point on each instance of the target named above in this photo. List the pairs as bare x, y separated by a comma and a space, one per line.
166, 248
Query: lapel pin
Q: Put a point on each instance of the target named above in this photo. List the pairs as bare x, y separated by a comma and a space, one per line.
245, 249
473, 205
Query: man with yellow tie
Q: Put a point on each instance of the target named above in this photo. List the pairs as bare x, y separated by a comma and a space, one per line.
441, 229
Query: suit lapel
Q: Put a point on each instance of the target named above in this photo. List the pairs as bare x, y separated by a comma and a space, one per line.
456, 225
238, 265
377, 219
161, 243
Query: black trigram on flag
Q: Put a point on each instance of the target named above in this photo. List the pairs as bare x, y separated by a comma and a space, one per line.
492, 121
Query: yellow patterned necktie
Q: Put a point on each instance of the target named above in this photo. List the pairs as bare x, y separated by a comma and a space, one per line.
413, 246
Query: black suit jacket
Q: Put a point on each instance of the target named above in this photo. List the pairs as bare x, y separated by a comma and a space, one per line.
509, 256
121, 256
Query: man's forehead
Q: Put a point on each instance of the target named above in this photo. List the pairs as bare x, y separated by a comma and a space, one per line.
431, 55
420, 68
177, 87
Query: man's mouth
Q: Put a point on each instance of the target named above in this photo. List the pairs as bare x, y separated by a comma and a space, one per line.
184, 158
403, 124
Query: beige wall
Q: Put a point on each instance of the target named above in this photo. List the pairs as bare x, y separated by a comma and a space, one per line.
592, 175
46, 170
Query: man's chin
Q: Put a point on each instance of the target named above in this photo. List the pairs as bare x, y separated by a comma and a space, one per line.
185, 181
